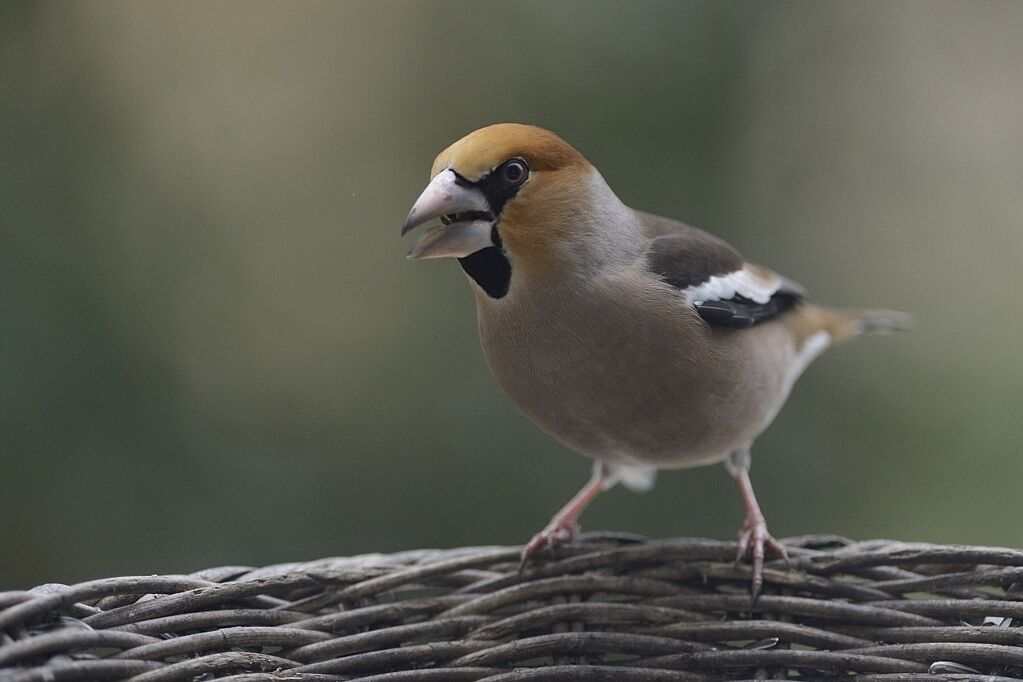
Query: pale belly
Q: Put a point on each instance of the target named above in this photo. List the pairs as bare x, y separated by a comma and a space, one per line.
635, 384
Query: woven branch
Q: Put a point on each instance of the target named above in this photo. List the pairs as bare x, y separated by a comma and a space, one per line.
609, 608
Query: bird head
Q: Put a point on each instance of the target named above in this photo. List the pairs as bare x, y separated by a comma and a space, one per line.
511, 197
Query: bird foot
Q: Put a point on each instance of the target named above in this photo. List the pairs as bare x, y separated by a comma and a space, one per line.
557, 532
756, 542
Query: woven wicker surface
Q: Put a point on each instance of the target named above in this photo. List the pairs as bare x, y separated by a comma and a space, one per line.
609, 608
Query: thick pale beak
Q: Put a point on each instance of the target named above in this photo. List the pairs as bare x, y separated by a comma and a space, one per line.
467, 217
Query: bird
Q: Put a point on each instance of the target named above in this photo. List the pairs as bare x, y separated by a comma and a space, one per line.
636, 340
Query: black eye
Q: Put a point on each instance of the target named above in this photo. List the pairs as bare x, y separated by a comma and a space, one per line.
514, 172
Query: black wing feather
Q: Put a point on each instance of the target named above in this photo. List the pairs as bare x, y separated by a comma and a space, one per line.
687, 257
739, 312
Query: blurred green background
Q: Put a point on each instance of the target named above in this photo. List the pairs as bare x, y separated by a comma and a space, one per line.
213, 351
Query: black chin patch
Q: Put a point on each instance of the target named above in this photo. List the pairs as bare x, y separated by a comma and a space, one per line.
490, 269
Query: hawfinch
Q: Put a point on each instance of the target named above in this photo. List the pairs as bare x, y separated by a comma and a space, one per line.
636, 340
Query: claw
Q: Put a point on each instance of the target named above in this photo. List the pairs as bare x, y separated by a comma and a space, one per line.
558, 532
755, 541
563, 526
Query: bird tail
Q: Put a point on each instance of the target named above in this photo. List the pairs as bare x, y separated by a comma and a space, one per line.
843, 324
882, 321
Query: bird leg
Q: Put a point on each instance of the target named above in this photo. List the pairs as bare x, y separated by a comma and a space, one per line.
753, 536
564, 525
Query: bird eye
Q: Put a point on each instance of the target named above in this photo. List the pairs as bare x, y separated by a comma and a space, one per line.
514, 172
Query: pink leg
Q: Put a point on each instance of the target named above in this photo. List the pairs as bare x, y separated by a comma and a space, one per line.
564, 525
753, 536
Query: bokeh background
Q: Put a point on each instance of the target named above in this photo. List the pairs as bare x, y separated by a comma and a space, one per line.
212, 350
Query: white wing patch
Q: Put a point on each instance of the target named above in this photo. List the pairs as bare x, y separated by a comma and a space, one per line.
756, 284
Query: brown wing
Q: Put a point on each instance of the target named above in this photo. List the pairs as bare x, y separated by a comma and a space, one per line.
723, 288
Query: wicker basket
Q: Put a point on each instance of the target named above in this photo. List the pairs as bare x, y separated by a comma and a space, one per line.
609, 608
